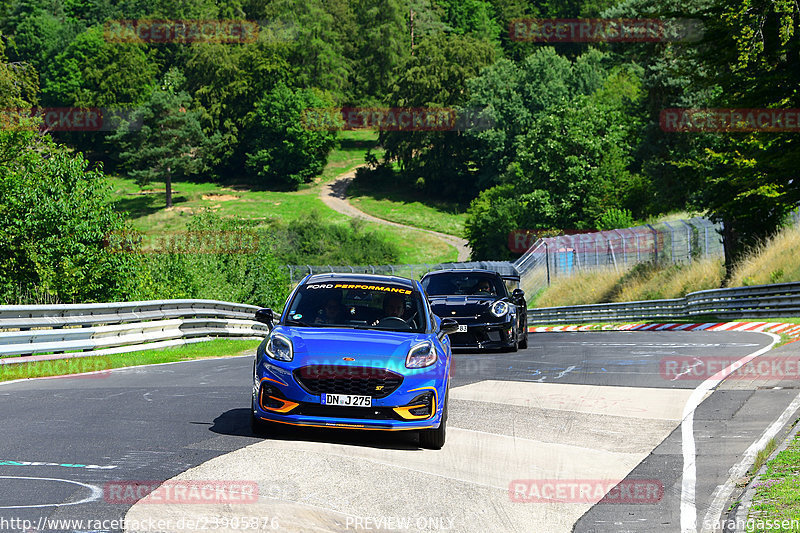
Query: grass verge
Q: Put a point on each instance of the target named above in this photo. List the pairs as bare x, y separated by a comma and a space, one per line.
144, 205
404, 206
80, 365
777, 496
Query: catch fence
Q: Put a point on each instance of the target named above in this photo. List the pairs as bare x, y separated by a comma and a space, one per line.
677, 241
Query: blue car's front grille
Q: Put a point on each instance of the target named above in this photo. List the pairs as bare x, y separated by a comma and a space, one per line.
339, 379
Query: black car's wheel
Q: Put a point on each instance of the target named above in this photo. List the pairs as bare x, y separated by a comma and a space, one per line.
524, 342
433, 439
514, 346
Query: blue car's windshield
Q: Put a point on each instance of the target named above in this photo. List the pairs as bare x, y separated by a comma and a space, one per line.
369, 305
468, 283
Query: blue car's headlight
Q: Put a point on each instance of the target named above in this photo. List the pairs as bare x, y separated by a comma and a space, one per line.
421, 355
280, 348
499, 308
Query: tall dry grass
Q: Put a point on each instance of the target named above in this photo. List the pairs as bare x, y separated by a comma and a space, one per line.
645, 281
776, 261
583, 288
673, 281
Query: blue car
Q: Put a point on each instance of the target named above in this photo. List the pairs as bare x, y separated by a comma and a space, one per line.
355, 351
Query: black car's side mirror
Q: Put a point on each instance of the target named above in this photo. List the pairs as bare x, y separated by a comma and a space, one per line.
265, 316
518, 294
448, 326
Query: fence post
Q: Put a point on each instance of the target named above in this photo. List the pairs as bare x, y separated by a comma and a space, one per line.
597, 251
547, 261
624, 248
655, 242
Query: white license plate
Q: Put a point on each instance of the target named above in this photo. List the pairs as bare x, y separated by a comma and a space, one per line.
347, 400
462, 328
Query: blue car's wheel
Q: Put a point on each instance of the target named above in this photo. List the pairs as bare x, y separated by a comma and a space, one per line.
434, 438
257, 426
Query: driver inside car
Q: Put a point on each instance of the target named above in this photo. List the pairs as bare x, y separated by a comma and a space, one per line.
484, 286
394, 306
331, 312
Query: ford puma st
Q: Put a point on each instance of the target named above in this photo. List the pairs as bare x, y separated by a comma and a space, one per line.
489, 315
355, 351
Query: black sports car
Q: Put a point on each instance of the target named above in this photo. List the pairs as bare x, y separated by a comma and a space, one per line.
479, 300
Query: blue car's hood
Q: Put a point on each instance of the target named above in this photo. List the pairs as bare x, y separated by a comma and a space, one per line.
366, 347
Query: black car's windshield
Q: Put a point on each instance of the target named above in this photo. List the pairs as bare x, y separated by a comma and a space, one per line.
357, 305
456, 283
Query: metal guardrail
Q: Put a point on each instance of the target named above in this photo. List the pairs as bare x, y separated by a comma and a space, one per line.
121, 327
778, 300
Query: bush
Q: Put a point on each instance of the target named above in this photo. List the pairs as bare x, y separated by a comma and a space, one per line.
54, 220
311, 240
252, 276
614, 218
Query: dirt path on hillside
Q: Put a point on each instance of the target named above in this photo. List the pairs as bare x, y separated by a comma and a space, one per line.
334, 194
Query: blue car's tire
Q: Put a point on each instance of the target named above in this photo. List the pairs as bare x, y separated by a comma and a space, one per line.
257, 426
433, 439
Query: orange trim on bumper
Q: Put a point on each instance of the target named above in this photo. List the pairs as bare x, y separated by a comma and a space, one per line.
283, 409
346, 426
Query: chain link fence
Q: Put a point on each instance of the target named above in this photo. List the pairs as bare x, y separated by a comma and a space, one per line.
677, 241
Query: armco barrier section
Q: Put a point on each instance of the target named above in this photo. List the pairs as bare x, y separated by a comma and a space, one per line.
120, 327
778, 300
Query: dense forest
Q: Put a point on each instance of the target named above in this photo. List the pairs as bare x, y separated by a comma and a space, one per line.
570, 134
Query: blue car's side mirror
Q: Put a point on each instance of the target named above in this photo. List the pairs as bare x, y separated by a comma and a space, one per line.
448, 326
265, 316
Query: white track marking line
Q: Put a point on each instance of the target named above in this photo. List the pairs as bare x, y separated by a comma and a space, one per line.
689, 481
112, 370
723, 492
96, 494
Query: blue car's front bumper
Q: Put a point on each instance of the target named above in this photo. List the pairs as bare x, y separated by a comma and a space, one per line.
283, 393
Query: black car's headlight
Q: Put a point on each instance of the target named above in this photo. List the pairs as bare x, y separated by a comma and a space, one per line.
421, 355
500, 308
280, 348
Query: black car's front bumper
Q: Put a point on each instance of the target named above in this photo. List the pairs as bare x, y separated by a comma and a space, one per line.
483, 336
